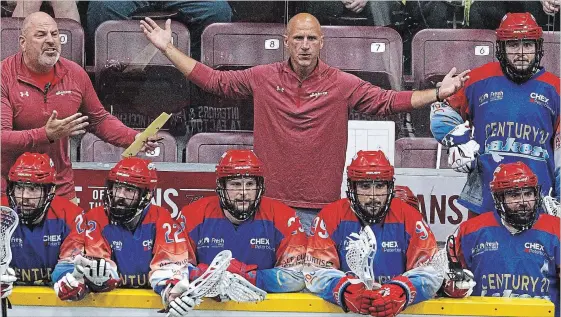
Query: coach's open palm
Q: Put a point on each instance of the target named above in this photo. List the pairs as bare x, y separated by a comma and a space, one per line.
161, 38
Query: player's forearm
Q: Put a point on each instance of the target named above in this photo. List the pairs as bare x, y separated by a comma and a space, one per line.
323, 281
61, 268
426, 281
280, 280
182, 62
422, 98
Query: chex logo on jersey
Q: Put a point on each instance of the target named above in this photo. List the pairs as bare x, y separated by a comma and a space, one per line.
147, 244
541, 100
484, 247
390, 246
534, 247
52, 239
117, 245
260, 243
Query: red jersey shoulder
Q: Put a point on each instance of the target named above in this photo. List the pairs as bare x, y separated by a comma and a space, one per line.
483, 72
550, 79
202, 208
98, 215
4, 201
157, 214
402, 212
480, 222
337, 211
62, 208
549, 224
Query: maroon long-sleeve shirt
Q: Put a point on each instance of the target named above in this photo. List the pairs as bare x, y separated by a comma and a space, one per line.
300, 129
26, 107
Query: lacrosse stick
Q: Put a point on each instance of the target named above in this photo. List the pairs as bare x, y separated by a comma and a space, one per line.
205, 283
360, 255
447, 263
8, 222
550, 205
235, 287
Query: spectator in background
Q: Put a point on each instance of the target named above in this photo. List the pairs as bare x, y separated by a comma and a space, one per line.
196, 15
301, 111
61, 9
373, 12
47, 98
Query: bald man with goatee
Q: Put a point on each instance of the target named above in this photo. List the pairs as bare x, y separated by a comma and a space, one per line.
46, 99
300, 110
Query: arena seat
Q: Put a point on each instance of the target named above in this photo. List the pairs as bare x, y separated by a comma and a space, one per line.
209, 147
71, 38
134, 77
551, 47
435, 51
236, 46
373, 53
419, 153
93, 149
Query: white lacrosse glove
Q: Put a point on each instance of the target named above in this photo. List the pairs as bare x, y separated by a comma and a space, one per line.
7, 282
100, 275
72, 286
550, 205
463, 148
174, 289
182, 305
459, 284
235, 287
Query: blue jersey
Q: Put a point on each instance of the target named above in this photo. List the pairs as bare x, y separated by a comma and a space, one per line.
273, 240
507, 265
512, 123
405, 246
36, 249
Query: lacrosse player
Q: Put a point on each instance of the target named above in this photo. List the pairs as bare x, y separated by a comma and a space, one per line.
513, 107
513, 252
130, 242
265, 236
404, 243
47, 222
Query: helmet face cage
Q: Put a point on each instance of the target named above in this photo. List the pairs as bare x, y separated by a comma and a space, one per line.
520, 220
228, 203
516, 75
117, 209
360, 210
28, 216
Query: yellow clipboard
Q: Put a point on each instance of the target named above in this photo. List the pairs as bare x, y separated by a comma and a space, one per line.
151, 130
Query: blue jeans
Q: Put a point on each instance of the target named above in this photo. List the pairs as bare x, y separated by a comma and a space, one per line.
196, 15
306, 216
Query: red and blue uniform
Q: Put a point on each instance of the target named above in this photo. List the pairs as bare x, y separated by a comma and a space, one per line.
405, 245
273, 240
37, 249
513, 122
507, 265
156, 250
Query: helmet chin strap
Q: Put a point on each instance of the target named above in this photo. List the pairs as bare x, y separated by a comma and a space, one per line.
232, 219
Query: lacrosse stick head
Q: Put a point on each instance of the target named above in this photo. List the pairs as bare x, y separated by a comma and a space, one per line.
8, 223
361, 250
447, 263
238, 289
204, 284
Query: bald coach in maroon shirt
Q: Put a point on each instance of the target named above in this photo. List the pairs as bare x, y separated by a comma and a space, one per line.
301, 110
47, 98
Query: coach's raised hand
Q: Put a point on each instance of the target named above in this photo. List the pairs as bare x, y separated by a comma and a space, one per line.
161, 38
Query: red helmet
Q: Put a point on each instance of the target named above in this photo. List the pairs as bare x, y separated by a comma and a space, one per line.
34, 168
28, 170
519, 26
235, 164
406, 194
136, 174
369, 166
513, 176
